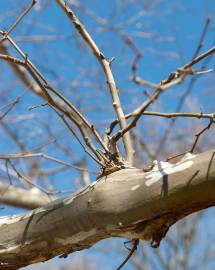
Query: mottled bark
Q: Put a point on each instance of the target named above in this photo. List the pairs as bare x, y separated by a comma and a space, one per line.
128, 203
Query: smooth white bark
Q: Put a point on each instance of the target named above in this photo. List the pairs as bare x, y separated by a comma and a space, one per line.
22, 198
128, 203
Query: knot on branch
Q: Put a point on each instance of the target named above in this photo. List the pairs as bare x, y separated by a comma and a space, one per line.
114, 163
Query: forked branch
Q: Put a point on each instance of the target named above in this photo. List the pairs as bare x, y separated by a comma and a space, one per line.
66, 108
174, 78
106, 65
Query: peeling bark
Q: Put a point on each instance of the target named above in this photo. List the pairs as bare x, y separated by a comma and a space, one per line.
127, 203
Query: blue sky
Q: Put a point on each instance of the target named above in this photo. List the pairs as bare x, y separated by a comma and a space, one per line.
166, 34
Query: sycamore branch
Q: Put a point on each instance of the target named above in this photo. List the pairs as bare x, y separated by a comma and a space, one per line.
42, 155
210, 116
173, 79
128, 203
22, 198
19, 19
60, 103
106, 65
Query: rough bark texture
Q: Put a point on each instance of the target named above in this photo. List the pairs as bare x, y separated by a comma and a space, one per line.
128, 203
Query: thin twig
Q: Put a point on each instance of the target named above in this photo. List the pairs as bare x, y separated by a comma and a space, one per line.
140, 81
10, 108
34, 72
199, 134
199, 58
189, 88
134, 248
52, 102
195, 141
202, 37
15, 138
130, 43
173, 79
20, 17
24, 178
139, 111
173, 115
25, 58
43, 155
177, 155
12, 59
77, 138
79, 114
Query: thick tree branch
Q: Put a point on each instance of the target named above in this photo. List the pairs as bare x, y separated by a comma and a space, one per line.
128, 203
22, 198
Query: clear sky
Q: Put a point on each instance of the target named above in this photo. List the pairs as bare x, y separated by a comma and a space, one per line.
165, 32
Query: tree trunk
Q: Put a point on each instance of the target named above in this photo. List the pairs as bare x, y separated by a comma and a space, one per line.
128, 203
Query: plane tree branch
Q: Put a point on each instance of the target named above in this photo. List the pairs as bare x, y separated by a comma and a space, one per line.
128, 203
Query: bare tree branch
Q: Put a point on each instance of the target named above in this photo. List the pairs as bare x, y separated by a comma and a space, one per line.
123, 201
210, 116
134, 248
43, 155
106, 65
22, 198
20, 18
128, 203
34, 72
11, 105
173, 79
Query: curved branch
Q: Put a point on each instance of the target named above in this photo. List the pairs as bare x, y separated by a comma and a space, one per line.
128, 203
22, 198
57, 104
106, 66
173, 79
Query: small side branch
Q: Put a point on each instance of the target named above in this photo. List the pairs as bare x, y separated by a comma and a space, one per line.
197, 137
199, 134
173, 115
106, 65
22, 198
45, 156
134, 248
20, 18
76, 117
11, 106
173, 79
